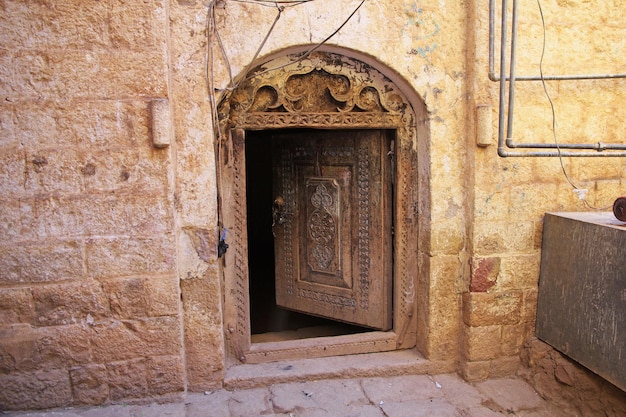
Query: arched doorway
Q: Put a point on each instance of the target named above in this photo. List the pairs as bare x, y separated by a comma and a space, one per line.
317, 156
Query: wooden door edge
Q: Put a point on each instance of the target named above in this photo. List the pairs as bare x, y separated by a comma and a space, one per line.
319, 347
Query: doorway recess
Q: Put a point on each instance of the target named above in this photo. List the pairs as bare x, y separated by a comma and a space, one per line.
317, 165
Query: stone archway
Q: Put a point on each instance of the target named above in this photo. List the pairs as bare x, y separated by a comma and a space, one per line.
329, 91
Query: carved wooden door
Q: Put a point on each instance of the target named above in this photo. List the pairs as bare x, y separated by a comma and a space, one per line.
332, 224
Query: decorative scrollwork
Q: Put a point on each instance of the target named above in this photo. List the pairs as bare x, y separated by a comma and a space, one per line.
322, 224
313, 88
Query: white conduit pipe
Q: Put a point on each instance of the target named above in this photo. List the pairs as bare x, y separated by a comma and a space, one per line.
556, 149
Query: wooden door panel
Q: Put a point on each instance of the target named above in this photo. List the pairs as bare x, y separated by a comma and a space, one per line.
333, 233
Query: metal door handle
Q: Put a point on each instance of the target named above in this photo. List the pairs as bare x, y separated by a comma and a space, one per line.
278, 211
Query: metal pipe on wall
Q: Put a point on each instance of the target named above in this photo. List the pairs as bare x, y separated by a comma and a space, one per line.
495, 77
503, 144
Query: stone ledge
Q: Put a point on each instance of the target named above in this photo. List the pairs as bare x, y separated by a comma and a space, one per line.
396, 363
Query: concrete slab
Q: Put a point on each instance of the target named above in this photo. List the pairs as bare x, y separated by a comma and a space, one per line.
327, 395
444, 395
401, 388
215, 404
253, 402
511, 394
383, 364
421, 408
481, 412
457, 391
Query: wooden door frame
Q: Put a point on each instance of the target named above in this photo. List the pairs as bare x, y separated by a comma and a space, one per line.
363, 99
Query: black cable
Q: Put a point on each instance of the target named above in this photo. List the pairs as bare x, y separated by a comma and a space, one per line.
545, 89
316, 47
270, 3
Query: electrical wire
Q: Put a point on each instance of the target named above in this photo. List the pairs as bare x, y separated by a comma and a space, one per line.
258, 51
213, 37
269, 3
211, 32
545, 90
578, 190
316, 47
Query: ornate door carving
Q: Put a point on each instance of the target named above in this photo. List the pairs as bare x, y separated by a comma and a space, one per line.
343, 263
332, 224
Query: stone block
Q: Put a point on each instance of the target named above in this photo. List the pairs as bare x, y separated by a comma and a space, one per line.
127, 297
16, 306
511, 394
137, 26
520, 271
150, 215
204, 340
96, 215
420, 408
484, 273
124, 340
445, 275
458, 392
513, 338
39, 126
529, 309
217, 401
400, 388
51, 216
89, 384
6, 72
24, 348
505, 366
491, 203
94, 125
12, 167
163, 295
165, 374
10, 219
111, 257
7, 126
127, 379
528, 203
126, 170
475, 371
196, 248
443, 323
448, 237
502, 237
71, 24
54, 171
100, 214
142, 297
77, 74
49, 262
489, 309
69, 303
482, 343
40, 389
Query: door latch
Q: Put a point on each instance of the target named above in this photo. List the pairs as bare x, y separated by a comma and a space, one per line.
278, 211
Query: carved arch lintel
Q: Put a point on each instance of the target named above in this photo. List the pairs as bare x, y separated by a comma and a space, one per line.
322, 89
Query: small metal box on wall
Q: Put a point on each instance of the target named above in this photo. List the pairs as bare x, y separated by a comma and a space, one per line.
581, 308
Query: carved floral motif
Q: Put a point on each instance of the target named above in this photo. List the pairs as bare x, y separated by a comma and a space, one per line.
322, 224
317, 90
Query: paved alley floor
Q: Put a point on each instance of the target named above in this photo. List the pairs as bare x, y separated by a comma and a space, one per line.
444, 395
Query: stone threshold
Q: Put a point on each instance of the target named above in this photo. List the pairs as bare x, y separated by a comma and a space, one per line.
367, 365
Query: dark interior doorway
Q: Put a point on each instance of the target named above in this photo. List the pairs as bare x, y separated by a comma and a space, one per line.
268, 321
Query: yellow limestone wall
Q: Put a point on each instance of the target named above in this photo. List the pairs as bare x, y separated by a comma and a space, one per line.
109, 280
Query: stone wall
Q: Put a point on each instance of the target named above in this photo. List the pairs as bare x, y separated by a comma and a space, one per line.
571, 387
89, 292
510, 195
110, 287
